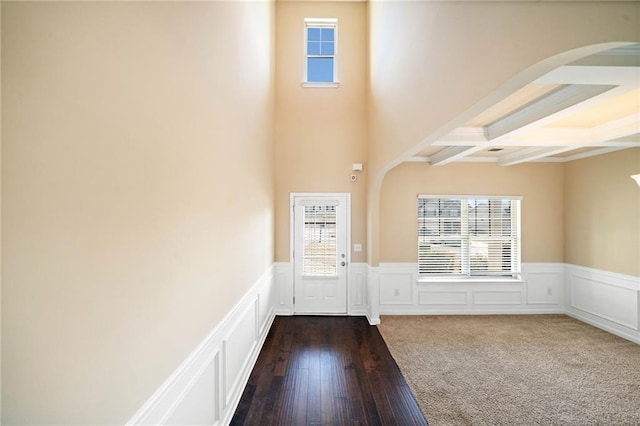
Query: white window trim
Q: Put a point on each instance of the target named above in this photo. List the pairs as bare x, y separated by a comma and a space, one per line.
516, 278
321, 22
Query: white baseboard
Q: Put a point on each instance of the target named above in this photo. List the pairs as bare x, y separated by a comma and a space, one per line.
372, 321
206, 388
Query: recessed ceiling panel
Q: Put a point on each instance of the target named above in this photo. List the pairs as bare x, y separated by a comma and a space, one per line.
511, 103
554, 102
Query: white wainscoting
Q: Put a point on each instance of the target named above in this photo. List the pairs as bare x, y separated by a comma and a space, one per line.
356, 289
400, 293
605, 300
207, 386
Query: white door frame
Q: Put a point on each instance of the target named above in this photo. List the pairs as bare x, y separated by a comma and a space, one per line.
292, 199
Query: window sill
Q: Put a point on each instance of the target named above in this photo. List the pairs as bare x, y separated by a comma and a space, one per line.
321, 85
448, 280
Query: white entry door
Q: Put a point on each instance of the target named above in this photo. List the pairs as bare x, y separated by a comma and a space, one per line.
320, 254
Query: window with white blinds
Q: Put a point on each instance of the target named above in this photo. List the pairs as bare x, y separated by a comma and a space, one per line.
320, 256
463, 236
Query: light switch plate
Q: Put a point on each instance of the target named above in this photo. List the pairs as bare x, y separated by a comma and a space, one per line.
357, 247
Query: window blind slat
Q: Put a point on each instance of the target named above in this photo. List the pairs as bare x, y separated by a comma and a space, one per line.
319, 245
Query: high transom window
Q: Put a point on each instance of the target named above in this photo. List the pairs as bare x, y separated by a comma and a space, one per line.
320, 50
468, 236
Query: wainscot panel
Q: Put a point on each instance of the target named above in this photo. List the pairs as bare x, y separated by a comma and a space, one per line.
442, 297
396, 288
402, 293
196, 408
605, 300
545, 283
503, 297
239, 340
206, 387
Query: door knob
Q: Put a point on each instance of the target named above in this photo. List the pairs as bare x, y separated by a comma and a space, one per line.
343, 263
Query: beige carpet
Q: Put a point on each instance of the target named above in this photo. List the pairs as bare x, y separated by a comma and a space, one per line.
516, 370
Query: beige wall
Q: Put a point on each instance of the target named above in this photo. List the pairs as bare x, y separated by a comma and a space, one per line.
137, 191
540, 185
138, 166
435, 64
602, 212
320, 132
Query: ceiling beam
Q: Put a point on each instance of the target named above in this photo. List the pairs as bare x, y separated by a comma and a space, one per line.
593, 153
463, 136
572, 74
418, 159
623, 127
549, 136
558, 100
453, 153
528, 154
470, 159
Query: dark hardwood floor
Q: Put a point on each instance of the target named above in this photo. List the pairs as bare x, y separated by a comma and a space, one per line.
317, 370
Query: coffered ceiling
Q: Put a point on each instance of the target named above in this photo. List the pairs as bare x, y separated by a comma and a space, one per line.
586, 108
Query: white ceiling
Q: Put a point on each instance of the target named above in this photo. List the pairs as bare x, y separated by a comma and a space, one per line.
586, 108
